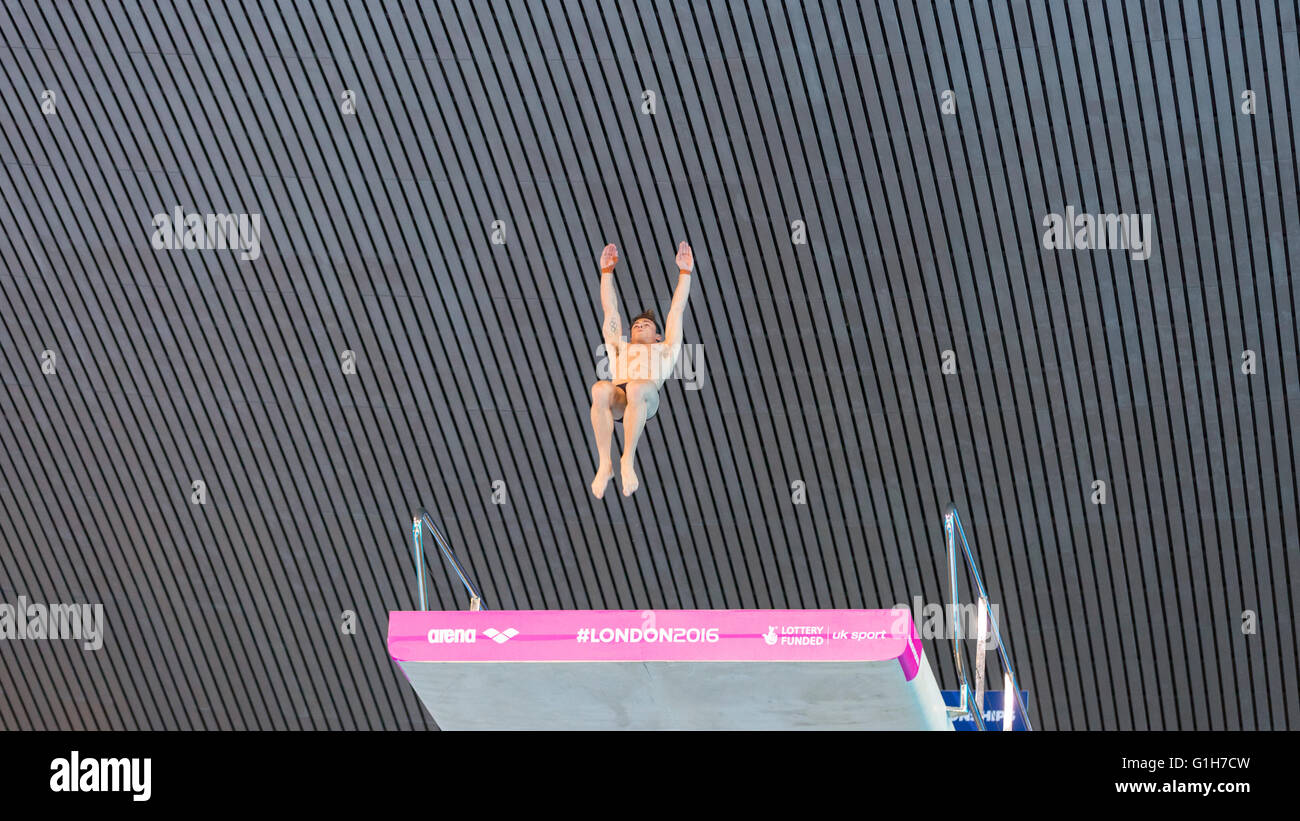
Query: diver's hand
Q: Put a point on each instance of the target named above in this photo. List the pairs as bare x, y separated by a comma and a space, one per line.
608, 258
685, 259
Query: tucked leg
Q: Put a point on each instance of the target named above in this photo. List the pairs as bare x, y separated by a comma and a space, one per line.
642, 403
606, 399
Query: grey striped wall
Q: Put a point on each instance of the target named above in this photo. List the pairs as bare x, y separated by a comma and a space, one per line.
474, 359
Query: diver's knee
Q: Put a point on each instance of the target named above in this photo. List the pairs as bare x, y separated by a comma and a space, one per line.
640, 392
602, 394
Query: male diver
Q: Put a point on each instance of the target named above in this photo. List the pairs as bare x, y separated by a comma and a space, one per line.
639, 364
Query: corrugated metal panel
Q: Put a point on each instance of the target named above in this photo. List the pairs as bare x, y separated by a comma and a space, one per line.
474, 360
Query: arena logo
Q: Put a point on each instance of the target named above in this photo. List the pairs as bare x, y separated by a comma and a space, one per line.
1099, 232
450, 636
179, 231
129, 775
35, 621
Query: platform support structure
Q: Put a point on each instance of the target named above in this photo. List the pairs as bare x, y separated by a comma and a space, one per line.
952, 531
419, 562
417, 538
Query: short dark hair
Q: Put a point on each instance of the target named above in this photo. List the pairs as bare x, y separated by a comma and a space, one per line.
649, 314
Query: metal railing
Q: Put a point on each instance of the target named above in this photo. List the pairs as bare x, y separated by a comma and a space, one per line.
953, 529
417, 541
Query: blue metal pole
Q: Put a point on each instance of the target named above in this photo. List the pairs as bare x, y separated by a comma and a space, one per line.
1006, 659
419, 562
451, 557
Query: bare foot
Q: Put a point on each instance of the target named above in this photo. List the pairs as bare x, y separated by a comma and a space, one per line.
603, 474
630, 483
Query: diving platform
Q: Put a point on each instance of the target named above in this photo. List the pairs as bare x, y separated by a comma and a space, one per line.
668, 669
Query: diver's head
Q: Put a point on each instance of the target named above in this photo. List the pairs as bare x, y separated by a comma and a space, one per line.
645, 329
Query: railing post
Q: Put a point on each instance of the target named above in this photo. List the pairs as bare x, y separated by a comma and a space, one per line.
953, 528
1008, 713
981, 648
417, 541
956, 609
475, 599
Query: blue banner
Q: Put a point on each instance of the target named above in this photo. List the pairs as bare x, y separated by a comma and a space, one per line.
993, 712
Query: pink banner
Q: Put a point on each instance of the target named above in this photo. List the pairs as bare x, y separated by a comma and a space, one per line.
656, 635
